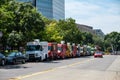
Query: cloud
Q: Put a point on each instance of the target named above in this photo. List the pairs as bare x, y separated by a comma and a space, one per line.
103, 15
78, 8
106, 23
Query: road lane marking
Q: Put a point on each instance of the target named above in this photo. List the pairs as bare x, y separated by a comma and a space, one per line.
62, 66
49, 70
34, 74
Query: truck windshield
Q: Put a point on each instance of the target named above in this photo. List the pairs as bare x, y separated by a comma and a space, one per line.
33, 47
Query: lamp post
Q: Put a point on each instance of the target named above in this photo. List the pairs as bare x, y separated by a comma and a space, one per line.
1, 34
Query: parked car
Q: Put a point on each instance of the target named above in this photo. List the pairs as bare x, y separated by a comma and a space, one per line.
98, 54
15, 57
2, 59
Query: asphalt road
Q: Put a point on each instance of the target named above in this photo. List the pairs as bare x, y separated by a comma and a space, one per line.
83, 68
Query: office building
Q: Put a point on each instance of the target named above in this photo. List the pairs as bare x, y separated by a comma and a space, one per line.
99, 33
85, 28
52, 9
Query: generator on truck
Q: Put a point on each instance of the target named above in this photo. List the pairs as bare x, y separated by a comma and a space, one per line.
37, 50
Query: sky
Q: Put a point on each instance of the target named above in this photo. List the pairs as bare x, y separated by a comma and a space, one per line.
100, 14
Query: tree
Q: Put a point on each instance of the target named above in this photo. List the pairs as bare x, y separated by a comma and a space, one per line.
69, 31
98, 42
52, 34
114, 41
4, 2
27, 20
15, 39
87, 38
20, 17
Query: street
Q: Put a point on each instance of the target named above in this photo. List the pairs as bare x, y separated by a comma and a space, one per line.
83, 68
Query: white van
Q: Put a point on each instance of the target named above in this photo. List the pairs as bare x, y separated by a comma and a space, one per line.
37, 50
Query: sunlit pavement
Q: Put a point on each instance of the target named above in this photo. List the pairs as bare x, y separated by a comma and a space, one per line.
91, 71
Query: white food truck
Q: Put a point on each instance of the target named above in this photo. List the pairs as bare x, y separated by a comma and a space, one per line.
37, 50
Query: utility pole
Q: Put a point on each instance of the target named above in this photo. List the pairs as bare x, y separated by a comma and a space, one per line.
1, 34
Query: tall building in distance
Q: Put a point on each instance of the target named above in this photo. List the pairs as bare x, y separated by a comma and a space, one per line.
99, 33
85, 28
52, 9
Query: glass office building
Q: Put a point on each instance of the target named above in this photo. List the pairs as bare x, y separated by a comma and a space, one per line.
53, 9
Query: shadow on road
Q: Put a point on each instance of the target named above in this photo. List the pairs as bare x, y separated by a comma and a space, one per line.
17, 66
20, 66
59, 60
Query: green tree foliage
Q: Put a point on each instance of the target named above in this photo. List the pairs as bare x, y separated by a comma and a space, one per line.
21, 22
15, 39
4, 2
98, 42
113, 40
27, 20
20, 17
52, 34
87, 38
69, 31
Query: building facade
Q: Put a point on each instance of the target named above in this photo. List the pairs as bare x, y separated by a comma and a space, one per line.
99, 33
52, 9
85, 28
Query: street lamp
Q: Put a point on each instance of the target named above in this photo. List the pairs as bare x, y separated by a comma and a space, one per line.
1, 34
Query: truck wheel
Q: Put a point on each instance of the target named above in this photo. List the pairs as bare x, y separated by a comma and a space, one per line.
46, 58
23, 61
14, 62
63, 56
40, 59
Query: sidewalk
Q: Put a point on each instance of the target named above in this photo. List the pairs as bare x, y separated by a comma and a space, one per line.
115, 67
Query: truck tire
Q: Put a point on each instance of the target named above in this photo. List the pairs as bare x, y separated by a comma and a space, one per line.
46, 58
23, 61
63, 56
14, 62
40, 59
